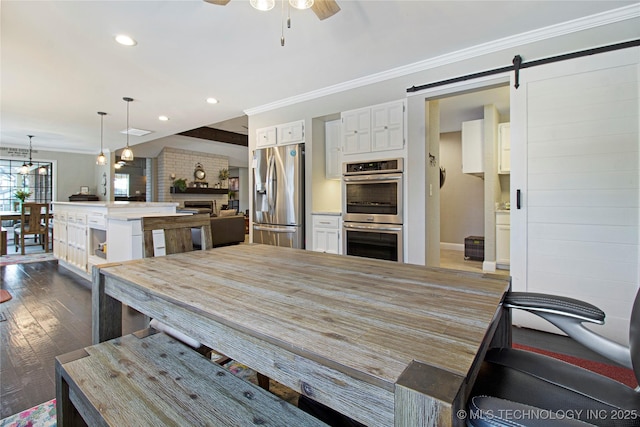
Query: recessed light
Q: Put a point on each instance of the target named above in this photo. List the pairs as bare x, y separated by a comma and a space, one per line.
212, 100
125, 40
163, 118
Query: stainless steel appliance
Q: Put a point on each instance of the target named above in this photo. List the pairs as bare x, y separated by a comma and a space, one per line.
372, 191
381, 241
372, 209
278, 196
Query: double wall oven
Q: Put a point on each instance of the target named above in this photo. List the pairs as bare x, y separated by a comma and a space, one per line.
372, 209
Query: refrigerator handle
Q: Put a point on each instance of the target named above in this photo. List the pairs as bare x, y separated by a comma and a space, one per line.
271, 183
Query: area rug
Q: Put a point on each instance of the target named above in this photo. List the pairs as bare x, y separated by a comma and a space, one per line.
23, 259
4, 296
43, 415
618, 373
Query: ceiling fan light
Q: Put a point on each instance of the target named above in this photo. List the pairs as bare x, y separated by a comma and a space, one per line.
263, 5
301, 4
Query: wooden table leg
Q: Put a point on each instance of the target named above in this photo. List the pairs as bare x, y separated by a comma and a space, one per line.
106, 312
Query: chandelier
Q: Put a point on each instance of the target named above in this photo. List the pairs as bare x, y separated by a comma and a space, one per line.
26, 167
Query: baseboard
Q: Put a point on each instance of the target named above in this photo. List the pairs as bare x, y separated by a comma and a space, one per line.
489, 266
452, 246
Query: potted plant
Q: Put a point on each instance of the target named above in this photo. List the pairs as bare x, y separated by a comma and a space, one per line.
23, 194
224, 176
180, 185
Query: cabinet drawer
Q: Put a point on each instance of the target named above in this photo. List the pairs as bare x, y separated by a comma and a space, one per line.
503, 218
96, 220
326, 221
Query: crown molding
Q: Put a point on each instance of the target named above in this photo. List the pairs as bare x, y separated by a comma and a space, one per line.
545, 33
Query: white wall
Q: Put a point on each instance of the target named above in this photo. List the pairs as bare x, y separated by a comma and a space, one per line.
461, 197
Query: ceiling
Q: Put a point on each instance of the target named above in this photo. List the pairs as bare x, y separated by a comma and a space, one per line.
60, 64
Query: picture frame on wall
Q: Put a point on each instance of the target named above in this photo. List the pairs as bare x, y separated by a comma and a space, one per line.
234, 183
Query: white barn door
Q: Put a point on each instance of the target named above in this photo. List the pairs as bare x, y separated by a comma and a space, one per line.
575, 159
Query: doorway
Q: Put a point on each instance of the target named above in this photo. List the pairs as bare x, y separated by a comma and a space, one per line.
469, 199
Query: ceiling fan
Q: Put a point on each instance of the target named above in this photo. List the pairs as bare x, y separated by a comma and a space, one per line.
322, 8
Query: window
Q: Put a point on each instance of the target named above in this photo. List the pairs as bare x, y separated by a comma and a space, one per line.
121, 185
37, 181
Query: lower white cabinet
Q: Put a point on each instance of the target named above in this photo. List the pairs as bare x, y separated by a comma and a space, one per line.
503, 239
327, 230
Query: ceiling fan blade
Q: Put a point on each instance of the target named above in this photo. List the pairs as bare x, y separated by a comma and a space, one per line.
218, 2
324, 8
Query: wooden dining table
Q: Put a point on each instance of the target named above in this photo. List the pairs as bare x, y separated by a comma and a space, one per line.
383, 342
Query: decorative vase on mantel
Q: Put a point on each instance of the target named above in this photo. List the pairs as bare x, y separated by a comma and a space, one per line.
224, 178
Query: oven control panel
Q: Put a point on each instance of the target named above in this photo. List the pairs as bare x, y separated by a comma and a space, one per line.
378, 166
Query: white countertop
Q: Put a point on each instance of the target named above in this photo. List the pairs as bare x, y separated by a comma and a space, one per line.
104, 204
135, 216
327, 213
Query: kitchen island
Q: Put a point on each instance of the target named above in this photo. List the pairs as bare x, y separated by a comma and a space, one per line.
81, 228
383, 342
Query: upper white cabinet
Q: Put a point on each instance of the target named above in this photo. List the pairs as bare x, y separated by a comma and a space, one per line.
376, 128
356, 131
473, 147
266, 136
387, 126
504, 148
283, 134
333, 149
290, 133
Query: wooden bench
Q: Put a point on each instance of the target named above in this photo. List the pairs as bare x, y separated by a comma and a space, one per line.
150, 379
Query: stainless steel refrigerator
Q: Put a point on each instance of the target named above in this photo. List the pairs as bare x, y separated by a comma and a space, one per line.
278, 196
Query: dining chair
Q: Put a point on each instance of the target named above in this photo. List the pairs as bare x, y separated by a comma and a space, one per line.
521, 388
34, 219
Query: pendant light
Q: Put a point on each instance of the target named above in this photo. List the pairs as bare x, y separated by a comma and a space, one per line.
127, 154
42, 170
24, 169
102, 160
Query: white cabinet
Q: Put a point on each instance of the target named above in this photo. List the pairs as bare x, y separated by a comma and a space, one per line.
387, 126
77, 240
356, 131
326, 233
266, 136
333, 150
79, 228
283, 134
503, 239
60, 235
290, 133
504, 148
376, 128
473, 147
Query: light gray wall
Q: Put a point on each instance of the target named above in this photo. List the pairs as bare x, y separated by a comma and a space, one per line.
71, 171
461, 197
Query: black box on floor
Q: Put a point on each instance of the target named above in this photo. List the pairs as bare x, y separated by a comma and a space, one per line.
474, 248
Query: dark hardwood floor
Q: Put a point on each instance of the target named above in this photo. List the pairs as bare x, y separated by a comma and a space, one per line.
50, 314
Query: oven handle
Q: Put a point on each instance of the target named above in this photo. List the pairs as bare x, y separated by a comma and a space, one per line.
371, 227
381, 177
